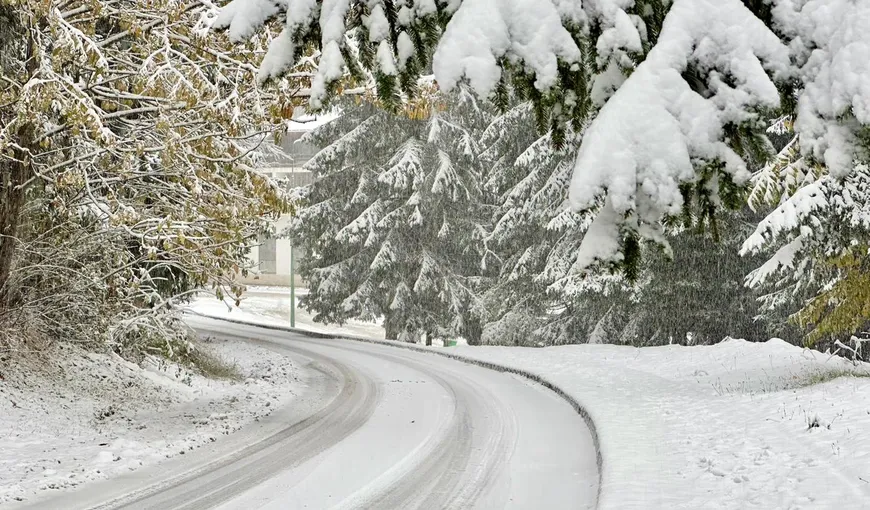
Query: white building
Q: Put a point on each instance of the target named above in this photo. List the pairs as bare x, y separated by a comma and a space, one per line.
271, 259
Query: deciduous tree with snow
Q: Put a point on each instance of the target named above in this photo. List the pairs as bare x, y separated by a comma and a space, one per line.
126, 140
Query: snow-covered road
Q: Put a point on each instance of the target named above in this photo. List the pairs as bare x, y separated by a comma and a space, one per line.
378, 427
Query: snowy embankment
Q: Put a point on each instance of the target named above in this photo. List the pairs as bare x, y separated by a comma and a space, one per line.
732, 426
72, 416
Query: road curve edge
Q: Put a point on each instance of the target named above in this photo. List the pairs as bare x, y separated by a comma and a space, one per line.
578, 408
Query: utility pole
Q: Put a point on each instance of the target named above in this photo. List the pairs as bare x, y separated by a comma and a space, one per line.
292, 288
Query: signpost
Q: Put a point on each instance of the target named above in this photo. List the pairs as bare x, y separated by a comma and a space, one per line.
293, 269
292, 289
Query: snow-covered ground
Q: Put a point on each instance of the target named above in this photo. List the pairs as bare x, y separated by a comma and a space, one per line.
87, 416
272, 305
733, 426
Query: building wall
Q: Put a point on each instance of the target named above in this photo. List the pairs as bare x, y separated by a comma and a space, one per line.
272, 255
271, 259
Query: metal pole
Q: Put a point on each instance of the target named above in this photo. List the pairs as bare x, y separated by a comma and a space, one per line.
292, 289
292, 264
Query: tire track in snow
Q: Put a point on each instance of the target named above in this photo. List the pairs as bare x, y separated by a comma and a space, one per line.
491, 444
350, 409
485, 481
447, 472
528, 375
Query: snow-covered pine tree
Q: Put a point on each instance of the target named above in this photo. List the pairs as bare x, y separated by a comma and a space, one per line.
816, 189
566, 58
818, 228
817, 185
344, 199
542, 297
394, 225
696, 294
683, 129
534, 236
543, 49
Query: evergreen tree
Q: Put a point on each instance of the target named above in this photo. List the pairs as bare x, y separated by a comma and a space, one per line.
677, 93
819, 228
561, 56
684, 128
534, 237
696, 295
394, 225
542, 297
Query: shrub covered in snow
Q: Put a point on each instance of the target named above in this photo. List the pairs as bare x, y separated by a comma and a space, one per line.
126, 144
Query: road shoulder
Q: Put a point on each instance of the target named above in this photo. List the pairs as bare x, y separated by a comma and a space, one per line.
86, 417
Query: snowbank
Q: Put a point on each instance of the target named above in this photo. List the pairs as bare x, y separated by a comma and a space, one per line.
73, 416
737, 425
725, 426
271, 305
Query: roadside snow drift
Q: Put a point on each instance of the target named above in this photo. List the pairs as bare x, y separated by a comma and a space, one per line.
272, 305
733, 426
73, 416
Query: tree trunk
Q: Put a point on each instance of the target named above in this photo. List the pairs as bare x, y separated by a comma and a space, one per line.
391, 329
11, 203
13, 174
473, 331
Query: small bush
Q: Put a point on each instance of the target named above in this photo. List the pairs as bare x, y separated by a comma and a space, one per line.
180, 345
823, 376
212, 365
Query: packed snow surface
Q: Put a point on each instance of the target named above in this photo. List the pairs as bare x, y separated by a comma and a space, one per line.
72, 416
736, 425
732, 426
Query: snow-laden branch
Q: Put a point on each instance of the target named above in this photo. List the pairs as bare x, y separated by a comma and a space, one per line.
649, 138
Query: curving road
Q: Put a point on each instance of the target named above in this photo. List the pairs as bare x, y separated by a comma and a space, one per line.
379, 428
